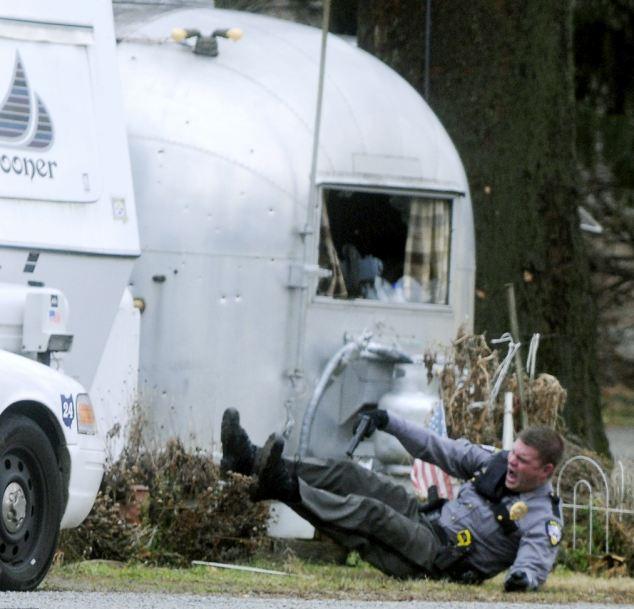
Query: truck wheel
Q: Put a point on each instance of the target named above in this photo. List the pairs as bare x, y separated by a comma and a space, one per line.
31, 503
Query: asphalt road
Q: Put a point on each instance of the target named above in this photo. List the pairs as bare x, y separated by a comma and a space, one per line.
100, 600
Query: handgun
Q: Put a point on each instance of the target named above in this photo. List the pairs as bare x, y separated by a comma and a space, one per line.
359, 434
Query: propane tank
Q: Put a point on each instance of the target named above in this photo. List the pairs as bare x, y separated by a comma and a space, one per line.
411, 397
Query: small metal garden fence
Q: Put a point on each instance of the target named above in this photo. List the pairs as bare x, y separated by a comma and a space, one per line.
617, 498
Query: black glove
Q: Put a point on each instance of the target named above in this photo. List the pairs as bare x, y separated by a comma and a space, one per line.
378, 420
516, 582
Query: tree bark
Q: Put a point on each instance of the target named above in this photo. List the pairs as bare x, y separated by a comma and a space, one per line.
392, 31
502, 84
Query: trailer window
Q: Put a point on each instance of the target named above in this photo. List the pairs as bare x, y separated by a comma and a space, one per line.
379, 246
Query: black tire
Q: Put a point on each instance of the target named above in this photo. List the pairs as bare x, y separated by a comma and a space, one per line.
30, 503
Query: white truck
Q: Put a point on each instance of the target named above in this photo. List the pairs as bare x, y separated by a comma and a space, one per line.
66, 221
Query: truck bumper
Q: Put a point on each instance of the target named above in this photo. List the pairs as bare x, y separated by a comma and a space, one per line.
87, 467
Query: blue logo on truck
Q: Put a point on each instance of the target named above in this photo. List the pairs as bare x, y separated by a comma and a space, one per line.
68, 410
24, 120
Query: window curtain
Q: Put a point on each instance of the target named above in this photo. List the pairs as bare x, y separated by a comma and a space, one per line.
426, 269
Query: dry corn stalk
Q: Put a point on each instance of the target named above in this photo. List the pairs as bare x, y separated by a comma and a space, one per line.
466, 384
466, 387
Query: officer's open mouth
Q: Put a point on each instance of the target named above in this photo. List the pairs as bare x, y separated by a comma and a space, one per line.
511, 476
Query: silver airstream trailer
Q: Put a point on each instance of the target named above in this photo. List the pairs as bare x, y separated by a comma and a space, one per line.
287, 299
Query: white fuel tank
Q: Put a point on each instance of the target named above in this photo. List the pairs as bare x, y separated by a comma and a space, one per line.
413, 397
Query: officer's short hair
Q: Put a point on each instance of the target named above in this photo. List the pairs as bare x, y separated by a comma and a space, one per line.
546, 441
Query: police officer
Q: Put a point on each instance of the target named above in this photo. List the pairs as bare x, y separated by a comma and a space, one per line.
505, 516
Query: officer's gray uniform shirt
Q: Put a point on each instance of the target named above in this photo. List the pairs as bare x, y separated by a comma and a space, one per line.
531, 549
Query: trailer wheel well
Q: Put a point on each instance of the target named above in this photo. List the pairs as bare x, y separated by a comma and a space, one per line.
47, 422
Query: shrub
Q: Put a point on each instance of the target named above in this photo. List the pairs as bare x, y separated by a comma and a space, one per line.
191, 512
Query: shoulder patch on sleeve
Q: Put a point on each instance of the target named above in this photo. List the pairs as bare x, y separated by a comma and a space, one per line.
553, 531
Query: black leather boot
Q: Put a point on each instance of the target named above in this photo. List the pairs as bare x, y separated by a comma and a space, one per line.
273, 480
238, 452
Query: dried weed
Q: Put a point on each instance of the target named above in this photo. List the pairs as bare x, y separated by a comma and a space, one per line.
187, 510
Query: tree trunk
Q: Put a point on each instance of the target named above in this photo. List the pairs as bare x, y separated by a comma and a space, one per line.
502, 84
392, 30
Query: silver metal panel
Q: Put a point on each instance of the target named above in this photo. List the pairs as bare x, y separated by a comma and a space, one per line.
203, 203
212, 336
268, 80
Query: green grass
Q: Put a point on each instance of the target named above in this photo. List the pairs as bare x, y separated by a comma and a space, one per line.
618, 406
308, 580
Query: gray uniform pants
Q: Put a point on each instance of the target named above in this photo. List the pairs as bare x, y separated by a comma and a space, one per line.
366, 512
